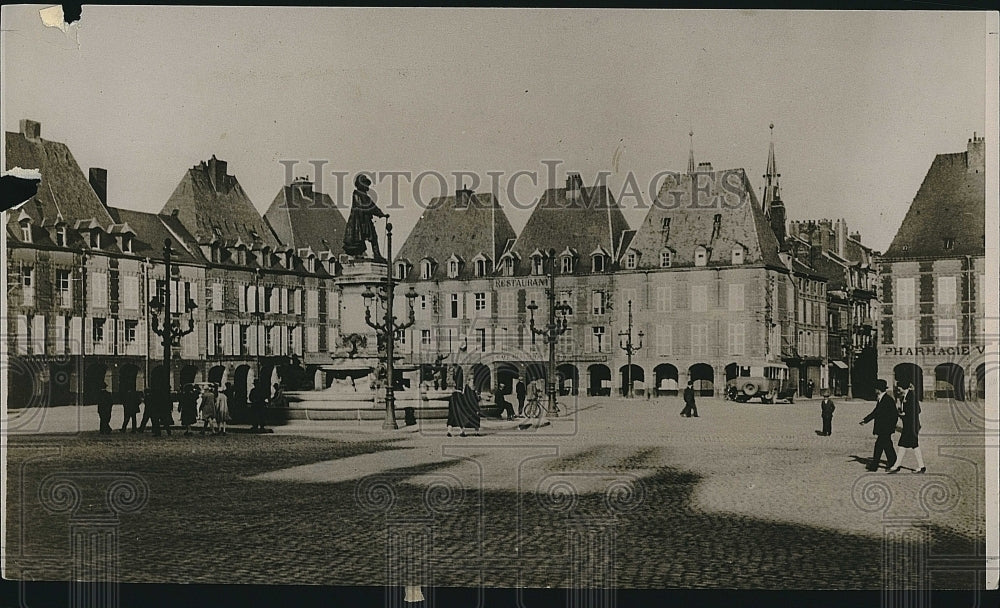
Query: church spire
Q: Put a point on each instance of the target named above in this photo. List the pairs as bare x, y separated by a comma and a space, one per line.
772, 190
691, 152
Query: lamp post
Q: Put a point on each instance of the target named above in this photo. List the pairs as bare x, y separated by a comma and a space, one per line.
170, 331
388, 328
625, 343
552, 330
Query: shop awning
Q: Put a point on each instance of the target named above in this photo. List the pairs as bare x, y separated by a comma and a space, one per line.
839, 364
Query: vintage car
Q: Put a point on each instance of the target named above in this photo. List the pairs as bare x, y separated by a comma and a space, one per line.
768, 382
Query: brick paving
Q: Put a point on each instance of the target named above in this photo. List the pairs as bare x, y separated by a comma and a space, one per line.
745, 496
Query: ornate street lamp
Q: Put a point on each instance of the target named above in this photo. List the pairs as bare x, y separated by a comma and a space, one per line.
388, 328
625, 343
170, 331
552, 330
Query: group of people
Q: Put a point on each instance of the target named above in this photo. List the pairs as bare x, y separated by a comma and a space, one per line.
210, 405
887, 412
464, 406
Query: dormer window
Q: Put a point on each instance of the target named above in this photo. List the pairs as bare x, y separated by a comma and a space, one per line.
508, 267
426, 270
311, 264
949, 243
61, 236
401, 270
537, 265
631, 260
126, 243
700, 256
95, 239
666, 259
738, 255
567, 264
598, 261
481, 265
452, 268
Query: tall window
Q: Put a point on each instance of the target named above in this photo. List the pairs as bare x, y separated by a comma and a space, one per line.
699, 298
508, 300
599, 298
736, 338
244, 339
65, 288
27, 286
906, 333
481, 338
663, 294
98, 290
598, 333
454, 306
480, 299
736, 297
905, 292
664, 339
425, 337
946, 291
218, 337
97, 331
699, 339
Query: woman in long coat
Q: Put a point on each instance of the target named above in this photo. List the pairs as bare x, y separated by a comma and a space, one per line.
909, 438
189, 407
463, 409
221, 411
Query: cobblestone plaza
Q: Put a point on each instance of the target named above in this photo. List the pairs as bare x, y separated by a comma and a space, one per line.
618, 493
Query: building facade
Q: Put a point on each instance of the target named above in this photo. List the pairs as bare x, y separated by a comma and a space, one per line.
933, 282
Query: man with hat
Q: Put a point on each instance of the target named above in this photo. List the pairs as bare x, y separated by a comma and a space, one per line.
826, 410
104, 405
360, 227
885, 417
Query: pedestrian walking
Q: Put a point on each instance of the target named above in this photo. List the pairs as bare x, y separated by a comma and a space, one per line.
207, 409
908, 439
884, 414
148, 410
221, 411
188, 406
131, 401
809, 389
104, 405
258, 403
826, 410
690, 409
463, 409
521, 391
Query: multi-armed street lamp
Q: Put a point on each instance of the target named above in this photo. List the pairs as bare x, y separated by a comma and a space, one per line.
388, 328
552, 330
171, 331
625, 343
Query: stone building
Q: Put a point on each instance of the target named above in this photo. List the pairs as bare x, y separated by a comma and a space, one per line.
933, 282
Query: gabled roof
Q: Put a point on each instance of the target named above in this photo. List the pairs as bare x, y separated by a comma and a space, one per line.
152, 229
462, 225
741, 222
64, 188
593, 219
951, 203
208, 198
302, 217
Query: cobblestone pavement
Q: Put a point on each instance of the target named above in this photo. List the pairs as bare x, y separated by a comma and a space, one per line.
617, 493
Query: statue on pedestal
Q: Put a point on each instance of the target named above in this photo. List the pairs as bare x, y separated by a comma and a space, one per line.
360, 227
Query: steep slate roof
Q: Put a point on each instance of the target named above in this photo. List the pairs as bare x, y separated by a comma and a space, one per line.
301, 217
690, 226
152, 229
593, 220
951, 203
464, 225
64, 188
209, 199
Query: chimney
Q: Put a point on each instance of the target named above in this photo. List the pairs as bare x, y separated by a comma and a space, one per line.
705, 167
856, 236
840, 227
31, 129
463, 196
303, 185
975, 156
217, 173
778, 221
825, 235
574, 183
99, 182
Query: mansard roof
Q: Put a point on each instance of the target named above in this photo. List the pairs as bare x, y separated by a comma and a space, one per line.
300, 216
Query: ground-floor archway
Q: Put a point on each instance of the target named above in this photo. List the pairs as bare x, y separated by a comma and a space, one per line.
189, 374
634, 374
666, 377
217, 374
732, 371
703, 377
599, 380
26, 386
481, 380
94, 379
62, 383
128, 379
949, 381
910, 373
243, 380
534, 371
568, 379
506, 373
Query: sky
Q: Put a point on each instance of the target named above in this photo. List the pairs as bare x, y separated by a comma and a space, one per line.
860, 102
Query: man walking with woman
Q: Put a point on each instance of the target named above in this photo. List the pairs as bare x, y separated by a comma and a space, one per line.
909, 411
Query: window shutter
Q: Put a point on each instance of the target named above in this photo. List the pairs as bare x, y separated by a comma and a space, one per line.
243, 299
118, 325
59, 344
76, 328
252, 339
210, 343
88, 335
218, 291
22, 335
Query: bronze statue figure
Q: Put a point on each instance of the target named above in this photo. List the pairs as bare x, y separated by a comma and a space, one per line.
360, 227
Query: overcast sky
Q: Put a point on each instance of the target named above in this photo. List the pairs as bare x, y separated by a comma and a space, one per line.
861, 103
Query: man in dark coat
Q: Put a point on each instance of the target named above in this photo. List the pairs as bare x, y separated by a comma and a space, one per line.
131, 400
258, 403
360, 227
500, 401
826, 410
908, 439
885, 417
104, 406
521, 391
690, 409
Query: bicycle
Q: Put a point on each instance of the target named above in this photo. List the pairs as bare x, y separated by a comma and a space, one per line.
536, 406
